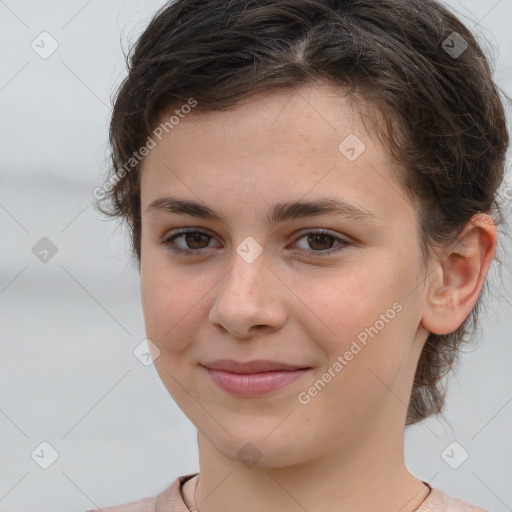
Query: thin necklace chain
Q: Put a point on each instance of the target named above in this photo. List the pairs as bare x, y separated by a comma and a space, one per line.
194, 507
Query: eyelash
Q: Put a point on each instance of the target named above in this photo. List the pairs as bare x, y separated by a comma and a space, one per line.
187, 252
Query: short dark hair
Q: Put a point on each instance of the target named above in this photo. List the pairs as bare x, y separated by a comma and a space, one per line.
444, 121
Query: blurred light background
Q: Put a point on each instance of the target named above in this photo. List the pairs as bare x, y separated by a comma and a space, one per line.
69, 325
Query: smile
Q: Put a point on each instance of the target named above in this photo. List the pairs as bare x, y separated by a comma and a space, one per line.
254, 384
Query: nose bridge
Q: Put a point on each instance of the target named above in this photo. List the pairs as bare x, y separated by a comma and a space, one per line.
243, 283
247, 297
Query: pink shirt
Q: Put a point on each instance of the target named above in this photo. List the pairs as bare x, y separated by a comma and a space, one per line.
171, 500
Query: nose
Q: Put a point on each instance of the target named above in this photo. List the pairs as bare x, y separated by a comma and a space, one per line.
249, 300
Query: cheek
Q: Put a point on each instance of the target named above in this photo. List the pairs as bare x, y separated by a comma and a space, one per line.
346, 303
359, 315
170, 303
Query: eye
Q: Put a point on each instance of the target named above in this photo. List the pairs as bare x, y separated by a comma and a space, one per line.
195, 240
320, 241
192, 239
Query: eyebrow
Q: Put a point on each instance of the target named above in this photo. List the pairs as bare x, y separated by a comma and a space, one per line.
279, 212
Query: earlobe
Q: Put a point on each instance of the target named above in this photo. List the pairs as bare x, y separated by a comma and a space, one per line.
456, 281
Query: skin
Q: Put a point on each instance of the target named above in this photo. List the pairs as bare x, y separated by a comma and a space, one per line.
344, 450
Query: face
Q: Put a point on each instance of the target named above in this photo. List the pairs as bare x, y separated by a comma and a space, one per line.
248, 276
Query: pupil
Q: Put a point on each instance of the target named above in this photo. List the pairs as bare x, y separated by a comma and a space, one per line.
321, 237
196, 238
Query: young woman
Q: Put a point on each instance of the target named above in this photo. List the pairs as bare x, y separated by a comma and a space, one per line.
310, 187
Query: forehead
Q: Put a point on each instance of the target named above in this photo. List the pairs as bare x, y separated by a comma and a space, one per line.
306, 119
286, 143
312, 105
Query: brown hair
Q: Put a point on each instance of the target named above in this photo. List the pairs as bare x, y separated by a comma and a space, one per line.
444, 122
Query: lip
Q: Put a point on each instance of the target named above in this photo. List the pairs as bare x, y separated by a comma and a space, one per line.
254, 378
255, 366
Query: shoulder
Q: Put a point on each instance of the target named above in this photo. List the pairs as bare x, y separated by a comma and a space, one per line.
170, 500
439, 501
143, 505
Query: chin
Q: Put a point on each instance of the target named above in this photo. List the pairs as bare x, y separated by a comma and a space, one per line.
261, 449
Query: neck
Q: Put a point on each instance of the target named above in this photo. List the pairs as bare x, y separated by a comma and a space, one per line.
370, 474
362, 470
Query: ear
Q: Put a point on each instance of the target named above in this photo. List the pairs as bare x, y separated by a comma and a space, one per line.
456, 282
